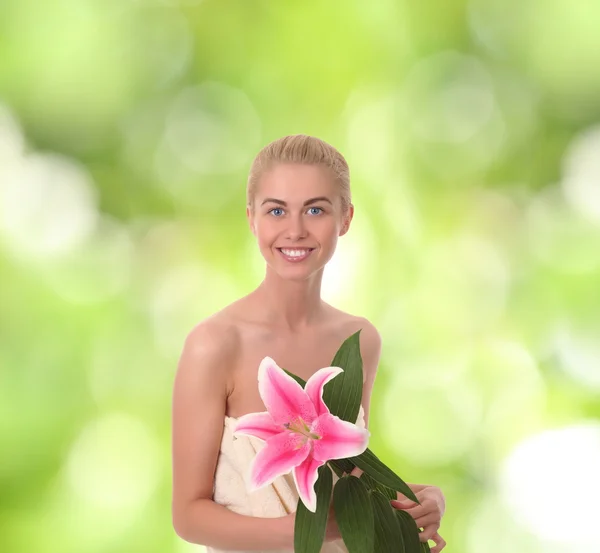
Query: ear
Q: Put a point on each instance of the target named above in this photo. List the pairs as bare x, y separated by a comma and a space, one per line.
346, 220
250, 217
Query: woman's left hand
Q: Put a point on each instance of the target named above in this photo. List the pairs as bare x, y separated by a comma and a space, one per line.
427, 515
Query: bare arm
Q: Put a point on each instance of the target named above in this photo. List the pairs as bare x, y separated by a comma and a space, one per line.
216, 526
199, 404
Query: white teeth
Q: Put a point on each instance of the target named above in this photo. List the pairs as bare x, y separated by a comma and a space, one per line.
295, 253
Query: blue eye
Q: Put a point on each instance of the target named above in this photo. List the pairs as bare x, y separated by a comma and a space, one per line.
279, 211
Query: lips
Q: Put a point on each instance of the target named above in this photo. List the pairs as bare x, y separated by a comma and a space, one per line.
295, 258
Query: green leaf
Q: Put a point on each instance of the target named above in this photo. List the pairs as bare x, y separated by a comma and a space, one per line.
343, 393
370, 463
368, 481
372, 484
335, 468
309, 528
299, 380
425, 547
354, 514
388, 533
410, 532
342, 464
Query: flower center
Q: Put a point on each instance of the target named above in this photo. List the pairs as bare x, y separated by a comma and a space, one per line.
299, 426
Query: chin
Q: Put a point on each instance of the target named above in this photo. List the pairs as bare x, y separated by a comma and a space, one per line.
294, 274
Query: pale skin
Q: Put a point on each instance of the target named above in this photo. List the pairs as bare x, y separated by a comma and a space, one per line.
286, 319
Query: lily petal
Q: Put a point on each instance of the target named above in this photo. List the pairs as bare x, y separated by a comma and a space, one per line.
314, 387
339, 439
305, 477
281, 454
283, 397
260, 425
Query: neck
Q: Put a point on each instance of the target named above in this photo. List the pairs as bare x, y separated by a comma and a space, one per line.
291, 305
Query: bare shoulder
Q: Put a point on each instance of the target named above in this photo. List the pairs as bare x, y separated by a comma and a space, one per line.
369, 333
370, 351
215, 334
212, 347
370, 339
370, 343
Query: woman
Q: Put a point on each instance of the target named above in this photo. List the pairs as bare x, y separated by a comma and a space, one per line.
298, 204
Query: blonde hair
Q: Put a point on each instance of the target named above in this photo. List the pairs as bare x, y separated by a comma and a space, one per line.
304, 149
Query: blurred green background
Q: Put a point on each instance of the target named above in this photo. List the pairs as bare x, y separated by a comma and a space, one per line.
472, 129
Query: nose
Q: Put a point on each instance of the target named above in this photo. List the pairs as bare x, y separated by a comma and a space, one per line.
296, 228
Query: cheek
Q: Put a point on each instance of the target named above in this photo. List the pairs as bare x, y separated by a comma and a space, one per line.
265, 233
328, 229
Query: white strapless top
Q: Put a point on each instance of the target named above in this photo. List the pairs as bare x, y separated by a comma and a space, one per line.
231, 475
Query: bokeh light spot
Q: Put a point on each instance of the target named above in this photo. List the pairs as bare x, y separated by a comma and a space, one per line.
558, 236
531, 473
12, 141
213, 128
95, 270
47, 206
452, 95
114, 463
447, 417
578, 349
581, 179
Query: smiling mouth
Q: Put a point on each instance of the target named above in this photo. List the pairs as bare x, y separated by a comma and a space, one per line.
295, 254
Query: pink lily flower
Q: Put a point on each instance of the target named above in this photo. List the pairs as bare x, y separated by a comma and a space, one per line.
300, 432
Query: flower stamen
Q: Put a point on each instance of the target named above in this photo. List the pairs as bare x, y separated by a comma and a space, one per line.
300, 427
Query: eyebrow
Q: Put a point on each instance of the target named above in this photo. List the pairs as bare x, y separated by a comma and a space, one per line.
307, 202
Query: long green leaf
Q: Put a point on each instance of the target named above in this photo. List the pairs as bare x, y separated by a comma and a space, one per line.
354, 514
343, 464
370, 463
388, 533
343, 394
372, 484
425, 547
410, 532
335, 468
309, 528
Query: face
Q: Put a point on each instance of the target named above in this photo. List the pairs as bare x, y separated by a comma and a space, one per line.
298, 218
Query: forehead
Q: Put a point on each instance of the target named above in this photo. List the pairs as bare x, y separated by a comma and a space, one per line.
295, 182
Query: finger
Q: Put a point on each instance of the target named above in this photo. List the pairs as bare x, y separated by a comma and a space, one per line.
428, 520
413, 510
428, 532
401, 497
440, 543
408, 504
427, 504
356, 472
